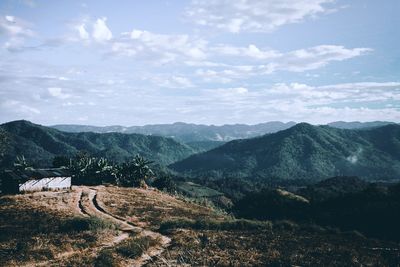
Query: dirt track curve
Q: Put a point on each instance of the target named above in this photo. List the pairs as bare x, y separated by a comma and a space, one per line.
91, 207
85, 203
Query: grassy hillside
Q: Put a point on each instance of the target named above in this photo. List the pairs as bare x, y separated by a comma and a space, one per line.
126, 227
41, 144
304, 152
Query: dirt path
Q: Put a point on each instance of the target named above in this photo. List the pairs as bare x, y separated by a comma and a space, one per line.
85, 203
92, 207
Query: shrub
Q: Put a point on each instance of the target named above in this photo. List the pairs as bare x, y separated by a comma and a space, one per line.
135, 247
105, 259
79, 224
233, 224
286, 225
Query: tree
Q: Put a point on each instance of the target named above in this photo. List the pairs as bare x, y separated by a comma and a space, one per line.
90, 170
4, 140
134, 172
165, 182
21, 163
61, 161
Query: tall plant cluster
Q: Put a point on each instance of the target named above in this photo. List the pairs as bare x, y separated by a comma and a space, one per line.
93, 171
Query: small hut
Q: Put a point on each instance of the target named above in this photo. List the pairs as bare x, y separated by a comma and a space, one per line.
16, 181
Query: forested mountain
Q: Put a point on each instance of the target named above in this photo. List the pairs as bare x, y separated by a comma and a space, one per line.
202, 134
41, 144
186, 132
303, 152
358, 125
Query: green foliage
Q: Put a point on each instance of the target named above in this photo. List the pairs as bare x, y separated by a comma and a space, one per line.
271, 205
21, 163
371, 210
41, 145
165, 183
134, 172
303, 152
91, 171
61, 161
200, 136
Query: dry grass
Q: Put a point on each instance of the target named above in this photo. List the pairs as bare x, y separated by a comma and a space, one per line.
40, 226
151, 208
296, 247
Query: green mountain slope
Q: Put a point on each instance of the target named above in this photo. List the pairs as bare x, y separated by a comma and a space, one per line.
201, 134
40, 144
304, 152
188, 132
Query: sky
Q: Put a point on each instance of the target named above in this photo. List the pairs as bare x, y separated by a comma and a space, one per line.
203, 61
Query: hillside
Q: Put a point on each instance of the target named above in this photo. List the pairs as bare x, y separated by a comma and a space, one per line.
208, 136
188, 132
41, 144
304, 152
113, 226
357, 124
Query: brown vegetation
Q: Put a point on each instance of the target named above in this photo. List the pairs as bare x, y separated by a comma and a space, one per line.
111, 226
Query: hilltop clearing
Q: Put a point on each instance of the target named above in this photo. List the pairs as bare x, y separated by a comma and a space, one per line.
112, 226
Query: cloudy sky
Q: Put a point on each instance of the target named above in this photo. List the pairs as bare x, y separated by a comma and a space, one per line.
201, 61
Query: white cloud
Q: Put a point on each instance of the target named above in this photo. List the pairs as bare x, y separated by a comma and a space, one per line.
160, 48
171, 81
251, 51
318, 56
10, 18
254, 15
263, 62
15, 27
57, 92
19, 108
101, 32
355, 156
83, 34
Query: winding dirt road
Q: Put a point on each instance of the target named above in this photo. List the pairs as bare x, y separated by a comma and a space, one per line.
89, 206
84, 203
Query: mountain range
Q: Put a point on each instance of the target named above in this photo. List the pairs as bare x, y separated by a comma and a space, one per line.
40, 144
201, 134
188, 132
305, 152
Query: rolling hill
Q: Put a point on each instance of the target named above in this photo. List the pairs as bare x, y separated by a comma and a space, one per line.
186, 132
208, 136
304, 152
358, 125
41, 144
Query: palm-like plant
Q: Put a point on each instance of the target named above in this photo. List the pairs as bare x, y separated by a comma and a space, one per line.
90, 170
21, 163
134, 172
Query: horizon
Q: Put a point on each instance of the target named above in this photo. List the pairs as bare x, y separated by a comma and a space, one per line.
202, 62
190, 123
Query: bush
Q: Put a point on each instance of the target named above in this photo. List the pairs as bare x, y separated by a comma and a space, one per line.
286, 225
79, 224
164, 182
135, 247
240, 224
105, 259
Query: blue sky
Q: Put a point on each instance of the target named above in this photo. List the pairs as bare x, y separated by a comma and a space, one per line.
200, 61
